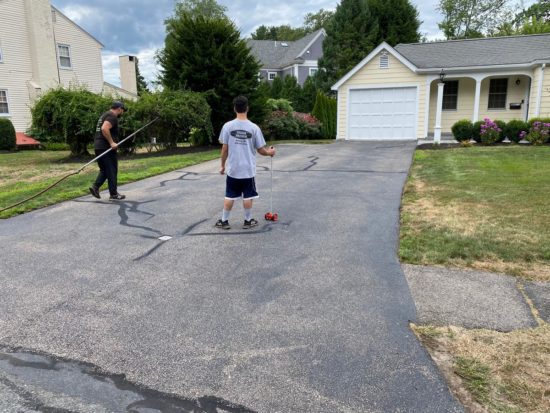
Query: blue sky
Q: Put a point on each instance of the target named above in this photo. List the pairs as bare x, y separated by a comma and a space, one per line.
136, 27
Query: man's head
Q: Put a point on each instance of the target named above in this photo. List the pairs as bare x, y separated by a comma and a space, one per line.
240, 103
118, 108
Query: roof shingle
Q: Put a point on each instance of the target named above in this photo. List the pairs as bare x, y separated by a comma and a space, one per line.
478, 52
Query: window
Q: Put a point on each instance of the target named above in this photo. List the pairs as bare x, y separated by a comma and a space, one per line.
64, 52
313, 70
272, 75
450, 95
497, 93
384, 61
4, 108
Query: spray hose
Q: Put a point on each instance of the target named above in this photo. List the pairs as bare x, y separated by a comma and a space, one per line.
77, 171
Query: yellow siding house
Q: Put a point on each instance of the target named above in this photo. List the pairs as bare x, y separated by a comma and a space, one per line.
418, 91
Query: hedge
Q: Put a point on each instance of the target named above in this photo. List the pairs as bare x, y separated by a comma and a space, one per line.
325, 111
8, 140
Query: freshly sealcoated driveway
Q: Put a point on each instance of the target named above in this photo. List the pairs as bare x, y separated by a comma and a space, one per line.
309, 314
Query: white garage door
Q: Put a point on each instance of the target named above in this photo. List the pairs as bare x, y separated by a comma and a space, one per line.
387, 113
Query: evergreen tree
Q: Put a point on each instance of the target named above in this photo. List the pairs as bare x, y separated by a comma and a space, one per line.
397, 21
351, 35
291, 91
277, 88
206, 54
309, 93
141, 83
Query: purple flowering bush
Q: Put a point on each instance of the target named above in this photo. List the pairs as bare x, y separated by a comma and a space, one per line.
490, 132
538, 134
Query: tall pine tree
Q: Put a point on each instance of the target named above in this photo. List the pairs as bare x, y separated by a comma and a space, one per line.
397, 21
351, 34
206, 54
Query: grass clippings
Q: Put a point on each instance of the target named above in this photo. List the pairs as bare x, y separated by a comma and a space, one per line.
490, 371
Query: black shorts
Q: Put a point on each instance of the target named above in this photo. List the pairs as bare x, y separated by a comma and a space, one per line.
240, 188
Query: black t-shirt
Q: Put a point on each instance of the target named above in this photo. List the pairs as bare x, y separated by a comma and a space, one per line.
100, 141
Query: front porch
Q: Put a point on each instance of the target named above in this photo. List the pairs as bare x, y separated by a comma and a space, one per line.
502, 96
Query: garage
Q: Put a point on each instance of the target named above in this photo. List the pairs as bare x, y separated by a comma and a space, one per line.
382, 113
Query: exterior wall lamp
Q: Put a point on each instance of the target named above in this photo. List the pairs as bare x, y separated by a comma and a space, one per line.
442, 75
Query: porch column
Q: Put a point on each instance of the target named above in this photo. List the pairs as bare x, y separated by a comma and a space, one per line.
477, 97
539, 91
438, 109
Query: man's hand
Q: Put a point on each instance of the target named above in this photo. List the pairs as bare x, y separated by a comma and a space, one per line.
114, 145
222, 170
272, 151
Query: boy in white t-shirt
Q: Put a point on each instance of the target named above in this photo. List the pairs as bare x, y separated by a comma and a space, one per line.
241, 139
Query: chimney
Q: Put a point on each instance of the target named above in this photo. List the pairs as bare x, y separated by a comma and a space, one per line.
40, 32
128, 78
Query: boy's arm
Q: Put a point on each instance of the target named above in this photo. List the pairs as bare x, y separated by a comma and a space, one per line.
265, 151
225, 153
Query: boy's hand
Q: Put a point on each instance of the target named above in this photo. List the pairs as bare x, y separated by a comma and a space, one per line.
272, 149
222, 170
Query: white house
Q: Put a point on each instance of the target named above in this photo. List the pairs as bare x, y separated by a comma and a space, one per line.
415, 91
40, 49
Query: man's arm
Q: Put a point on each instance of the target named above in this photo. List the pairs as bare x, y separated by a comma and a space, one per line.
106, 130
225, 154
265, 151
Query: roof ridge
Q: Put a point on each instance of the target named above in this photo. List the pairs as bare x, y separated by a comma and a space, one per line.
472, 40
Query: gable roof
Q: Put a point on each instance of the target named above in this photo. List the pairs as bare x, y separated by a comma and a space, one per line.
382, 46
467, 53
274, 55
491, 51
77, 26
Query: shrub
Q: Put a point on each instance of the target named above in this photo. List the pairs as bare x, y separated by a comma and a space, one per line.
281, 125
199, 137
501, 125
476, 131
490, 132
68, 115
8, 140
539, 133
513, 129
178, 113
325, 110
279, 104
310, 127
462, 130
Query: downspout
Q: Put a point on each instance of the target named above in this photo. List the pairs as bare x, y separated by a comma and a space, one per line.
539, 94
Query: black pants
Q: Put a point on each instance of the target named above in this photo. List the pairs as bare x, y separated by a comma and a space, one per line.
108, 170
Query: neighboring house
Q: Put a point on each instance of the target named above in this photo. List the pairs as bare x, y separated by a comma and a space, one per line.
40, 49
396, 93
298, 58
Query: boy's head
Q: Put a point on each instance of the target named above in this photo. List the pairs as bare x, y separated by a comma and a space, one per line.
240, 104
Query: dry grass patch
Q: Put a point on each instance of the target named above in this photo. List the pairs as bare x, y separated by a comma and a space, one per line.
493, 371
482, 208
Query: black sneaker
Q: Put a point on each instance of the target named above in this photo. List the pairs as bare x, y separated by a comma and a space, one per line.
95, 192
222, 224
117, 197
250, 224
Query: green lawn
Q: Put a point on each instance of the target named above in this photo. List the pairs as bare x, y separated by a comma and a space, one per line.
25, 173
481, 207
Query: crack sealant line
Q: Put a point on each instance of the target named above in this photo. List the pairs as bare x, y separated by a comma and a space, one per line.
534, 311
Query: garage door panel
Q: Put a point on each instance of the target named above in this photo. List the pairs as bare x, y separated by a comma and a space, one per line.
382, 113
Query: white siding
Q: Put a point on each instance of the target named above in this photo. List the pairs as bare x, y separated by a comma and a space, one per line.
16, 68
86, 66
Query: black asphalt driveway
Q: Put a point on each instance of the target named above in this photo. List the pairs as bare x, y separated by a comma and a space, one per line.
309, 314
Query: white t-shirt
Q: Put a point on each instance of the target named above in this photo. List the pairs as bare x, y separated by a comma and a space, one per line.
243, 138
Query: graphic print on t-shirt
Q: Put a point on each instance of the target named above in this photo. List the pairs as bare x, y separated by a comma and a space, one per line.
240, 136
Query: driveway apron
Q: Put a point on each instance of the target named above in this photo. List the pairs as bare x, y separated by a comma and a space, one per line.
308, 314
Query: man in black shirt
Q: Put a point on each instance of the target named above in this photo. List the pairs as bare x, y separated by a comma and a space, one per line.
106, 136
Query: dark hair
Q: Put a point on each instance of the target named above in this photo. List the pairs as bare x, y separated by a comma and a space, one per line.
118, 105
241, 104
